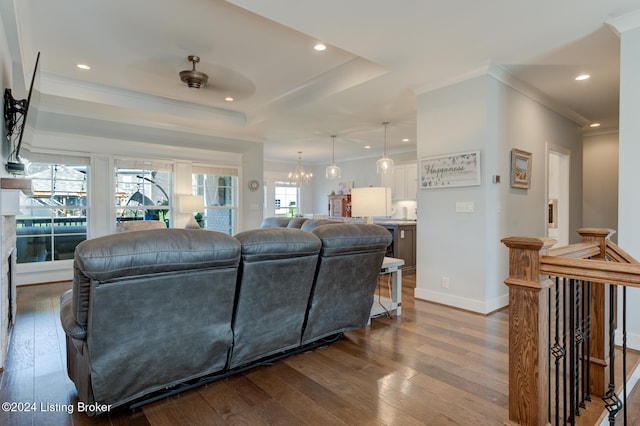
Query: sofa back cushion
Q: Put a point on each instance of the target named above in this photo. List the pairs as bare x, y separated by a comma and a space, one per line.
275, 222
346, 278
312, 224
276, 276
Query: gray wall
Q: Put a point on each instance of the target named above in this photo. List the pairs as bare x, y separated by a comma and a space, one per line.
600, 181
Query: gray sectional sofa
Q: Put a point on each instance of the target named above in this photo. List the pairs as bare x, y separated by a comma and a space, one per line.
156, 312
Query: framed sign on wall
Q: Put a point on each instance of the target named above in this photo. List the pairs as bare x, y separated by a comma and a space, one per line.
451, 170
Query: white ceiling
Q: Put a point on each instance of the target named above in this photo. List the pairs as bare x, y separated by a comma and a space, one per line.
292, 98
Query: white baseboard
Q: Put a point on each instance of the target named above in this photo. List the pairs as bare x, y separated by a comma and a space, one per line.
480, 306
633, 339
44, 272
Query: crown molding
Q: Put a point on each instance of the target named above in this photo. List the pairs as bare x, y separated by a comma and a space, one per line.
430, 87
626, 22
503, 75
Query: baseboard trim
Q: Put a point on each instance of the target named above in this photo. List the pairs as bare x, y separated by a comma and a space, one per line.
480, 306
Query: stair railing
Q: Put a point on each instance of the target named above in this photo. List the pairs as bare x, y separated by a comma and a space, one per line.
562, 319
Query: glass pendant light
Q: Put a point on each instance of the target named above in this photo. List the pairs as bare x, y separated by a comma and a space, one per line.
385, 164
300, 177
333, 171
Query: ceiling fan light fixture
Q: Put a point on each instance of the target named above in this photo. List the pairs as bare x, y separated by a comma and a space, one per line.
193, 78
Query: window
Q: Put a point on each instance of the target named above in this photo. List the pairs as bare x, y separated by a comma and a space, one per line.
286, 199
143, 190
219, 186
56, 214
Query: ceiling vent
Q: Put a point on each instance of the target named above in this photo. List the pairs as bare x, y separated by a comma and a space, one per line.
193, 78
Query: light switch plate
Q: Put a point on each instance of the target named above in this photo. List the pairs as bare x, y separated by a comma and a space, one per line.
464, 207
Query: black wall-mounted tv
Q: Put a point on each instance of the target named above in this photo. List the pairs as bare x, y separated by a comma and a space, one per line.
20, 119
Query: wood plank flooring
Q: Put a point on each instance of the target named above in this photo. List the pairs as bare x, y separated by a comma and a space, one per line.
432, 366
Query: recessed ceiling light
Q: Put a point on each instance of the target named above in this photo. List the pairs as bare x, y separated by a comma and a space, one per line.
594, 125
583, 77
320, 47
83, 66
367, 147
405, 140
229, 99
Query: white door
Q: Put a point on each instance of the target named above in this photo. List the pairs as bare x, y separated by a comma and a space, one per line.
557, 212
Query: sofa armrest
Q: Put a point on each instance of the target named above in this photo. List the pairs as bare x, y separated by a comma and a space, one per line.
68, 320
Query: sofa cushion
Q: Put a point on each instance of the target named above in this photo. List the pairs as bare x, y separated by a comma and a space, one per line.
277, 272
311, 224
352, 238
275, 222
127, 254
274, 243
296, 222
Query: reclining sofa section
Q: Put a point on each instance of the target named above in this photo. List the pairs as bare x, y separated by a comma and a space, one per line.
152, 310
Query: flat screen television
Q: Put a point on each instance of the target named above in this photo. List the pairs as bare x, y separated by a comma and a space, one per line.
20, 118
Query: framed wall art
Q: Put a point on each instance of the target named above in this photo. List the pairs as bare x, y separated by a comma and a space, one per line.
451, 170
520, 169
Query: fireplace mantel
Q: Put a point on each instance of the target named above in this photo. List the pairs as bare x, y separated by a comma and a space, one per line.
12, 193
22, 184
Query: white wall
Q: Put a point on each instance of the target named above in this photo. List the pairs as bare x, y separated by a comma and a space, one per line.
629, 173
487, 115
600, 181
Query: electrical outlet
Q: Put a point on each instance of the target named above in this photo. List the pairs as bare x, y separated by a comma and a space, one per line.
444, 283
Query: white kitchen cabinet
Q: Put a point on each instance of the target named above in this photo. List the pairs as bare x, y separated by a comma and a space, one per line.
405, 182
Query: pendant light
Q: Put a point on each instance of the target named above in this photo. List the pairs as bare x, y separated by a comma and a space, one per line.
300, 177
333, 171
385, 164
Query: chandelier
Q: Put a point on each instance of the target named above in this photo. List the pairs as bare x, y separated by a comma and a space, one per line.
333, 171
385, 164
299, 176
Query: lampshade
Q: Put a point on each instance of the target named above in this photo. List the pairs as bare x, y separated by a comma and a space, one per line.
299, 176
385, 164
370, 201
191, 204
333, 171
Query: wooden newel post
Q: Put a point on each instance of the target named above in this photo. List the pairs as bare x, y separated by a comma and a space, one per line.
528, 331
599, 374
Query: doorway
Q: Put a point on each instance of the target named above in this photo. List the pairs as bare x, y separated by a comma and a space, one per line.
557, 217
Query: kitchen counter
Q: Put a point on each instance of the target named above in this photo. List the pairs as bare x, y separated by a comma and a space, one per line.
403, 245
395, 222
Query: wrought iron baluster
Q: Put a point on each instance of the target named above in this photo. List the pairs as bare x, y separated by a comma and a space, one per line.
572, 352
624, 350
558, 352
565, 414
611, 401
588, 342
579, 336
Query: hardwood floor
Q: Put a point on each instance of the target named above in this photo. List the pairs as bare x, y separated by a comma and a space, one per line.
432, 366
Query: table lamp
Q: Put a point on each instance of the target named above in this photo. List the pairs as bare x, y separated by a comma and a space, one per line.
370, 201
191, 204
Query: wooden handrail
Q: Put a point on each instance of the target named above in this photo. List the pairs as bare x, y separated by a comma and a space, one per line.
578, 250
616, 254
596, 271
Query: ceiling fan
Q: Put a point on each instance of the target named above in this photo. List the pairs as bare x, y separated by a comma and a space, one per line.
194, 78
